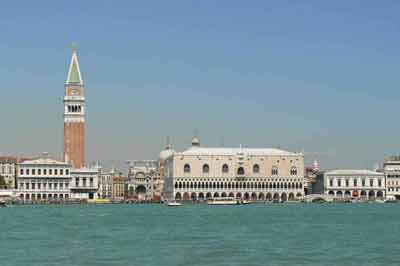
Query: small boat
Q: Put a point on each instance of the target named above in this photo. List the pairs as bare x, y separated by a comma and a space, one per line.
223, 201
174, 204
245, 202
3, 203
380, 201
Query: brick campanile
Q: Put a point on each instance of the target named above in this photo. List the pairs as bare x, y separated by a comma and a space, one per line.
74, 115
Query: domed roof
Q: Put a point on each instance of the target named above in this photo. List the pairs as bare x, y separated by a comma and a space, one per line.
166, 153
195, 141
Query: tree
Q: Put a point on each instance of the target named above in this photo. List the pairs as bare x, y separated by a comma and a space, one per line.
3, 183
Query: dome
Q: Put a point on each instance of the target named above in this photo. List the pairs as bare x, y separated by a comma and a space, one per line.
166, 153
195, 141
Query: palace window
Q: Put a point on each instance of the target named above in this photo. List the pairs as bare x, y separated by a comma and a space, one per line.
347, 182
67, 171
256, 168
186, 168
225, 168
61, 172
27, 171
379, 182
21, 171
331, 182
45, 171
206, 169
55, 172
33, 171
293, 171
355, 182
240, 171
363, 182
371, 182
339, 183
39, 171
77, 181
274, 170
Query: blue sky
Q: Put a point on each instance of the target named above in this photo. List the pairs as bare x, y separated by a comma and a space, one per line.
318, 76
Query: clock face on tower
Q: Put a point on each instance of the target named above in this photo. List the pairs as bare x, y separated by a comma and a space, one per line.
74, 92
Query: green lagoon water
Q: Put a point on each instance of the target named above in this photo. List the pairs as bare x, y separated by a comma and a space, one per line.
275, 234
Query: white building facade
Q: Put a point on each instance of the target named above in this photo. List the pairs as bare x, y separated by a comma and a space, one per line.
252, 174
85, 183
391, 168
363, 184
105, 185
43, 179
144, 180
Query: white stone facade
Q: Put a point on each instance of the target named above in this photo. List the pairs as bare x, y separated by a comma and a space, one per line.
144, 179
43, 179
364, 184
85, 183
105, 185
254, 174
391, 168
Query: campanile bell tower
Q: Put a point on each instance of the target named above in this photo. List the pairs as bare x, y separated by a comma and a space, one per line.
74, 115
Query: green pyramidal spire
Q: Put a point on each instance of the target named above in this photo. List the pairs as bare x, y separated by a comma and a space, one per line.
74, 73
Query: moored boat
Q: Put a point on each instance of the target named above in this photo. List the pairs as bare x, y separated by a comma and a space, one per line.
223, 201
174, 204
3, 203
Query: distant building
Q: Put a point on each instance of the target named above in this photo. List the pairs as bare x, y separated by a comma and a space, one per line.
43, 179
144, 180
8, 168
257, 174
85, 183
355, 184
119, 187
314, 181
391, 168
106, 185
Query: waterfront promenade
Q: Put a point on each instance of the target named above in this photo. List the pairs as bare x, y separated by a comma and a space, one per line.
276, 234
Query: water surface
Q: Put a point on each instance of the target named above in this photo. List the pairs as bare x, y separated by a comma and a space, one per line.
275, 234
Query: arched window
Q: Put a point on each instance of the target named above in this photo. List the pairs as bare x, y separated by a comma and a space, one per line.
186, 168
240, 171
225, 168
274, 170
293, 171
206, 169
256, 168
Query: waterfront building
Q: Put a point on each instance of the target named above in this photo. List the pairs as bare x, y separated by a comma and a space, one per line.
314, 179
85, 183
364, 184
119, 188
8, 168
246, 173
74, 116
106, 184
43, 179
391, 168
144, 180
